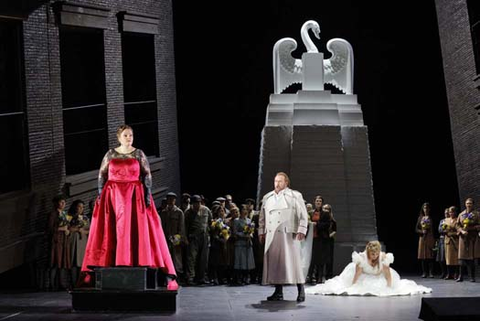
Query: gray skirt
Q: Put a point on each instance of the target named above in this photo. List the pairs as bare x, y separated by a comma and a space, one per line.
244, 259
282, 262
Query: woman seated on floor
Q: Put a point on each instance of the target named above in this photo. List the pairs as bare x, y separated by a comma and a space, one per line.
369, 273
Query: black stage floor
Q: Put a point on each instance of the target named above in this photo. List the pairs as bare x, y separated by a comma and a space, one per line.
247, 303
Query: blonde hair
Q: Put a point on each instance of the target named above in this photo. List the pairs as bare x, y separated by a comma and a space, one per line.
453, 209
373, 246
287, 179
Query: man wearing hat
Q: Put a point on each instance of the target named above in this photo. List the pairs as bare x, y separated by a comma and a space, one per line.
250, 205
185, 202
197, 222
222, 201
174, 228
283, 223
228, 201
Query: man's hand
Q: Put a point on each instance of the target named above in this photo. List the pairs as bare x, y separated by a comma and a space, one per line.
300, 236
261, 238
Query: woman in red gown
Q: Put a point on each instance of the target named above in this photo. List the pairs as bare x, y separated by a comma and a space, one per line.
125, 228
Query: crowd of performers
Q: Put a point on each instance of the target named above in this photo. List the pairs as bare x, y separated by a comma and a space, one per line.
219, 244
457, 246
211, 245
195, 245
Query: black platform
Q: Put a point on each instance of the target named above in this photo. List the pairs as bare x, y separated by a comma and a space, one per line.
135, 289
91, 299
451, 309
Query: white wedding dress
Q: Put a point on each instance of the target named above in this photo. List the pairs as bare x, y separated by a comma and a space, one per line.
371, 282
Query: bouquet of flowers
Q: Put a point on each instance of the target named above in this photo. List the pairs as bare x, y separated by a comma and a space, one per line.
249, 228
425, 223
80, 221
64, 219
467, 220
221, 228
175, 239
310, 215
445, 227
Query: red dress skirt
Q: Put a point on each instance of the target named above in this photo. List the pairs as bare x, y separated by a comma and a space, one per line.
124, 232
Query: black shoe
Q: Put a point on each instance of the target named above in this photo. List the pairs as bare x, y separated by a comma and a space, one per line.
301, 293
301, 297
460, 279
472, 280
275, 297
431, 276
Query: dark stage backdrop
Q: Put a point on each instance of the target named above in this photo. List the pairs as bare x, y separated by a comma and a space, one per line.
223, 56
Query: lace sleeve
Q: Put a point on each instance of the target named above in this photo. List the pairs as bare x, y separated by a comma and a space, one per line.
146, 175
103, 172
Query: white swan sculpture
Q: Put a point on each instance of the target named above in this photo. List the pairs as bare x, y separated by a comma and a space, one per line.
338, 70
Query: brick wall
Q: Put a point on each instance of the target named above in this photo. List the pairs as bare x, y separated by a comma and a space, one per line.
23, 214
462, 92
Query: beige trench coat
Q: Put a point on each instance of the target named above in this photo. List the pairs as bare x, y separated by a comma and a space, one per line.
282, 216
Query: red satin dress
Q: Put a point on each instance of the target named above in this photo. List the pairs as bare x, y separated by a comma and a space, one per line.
124, 232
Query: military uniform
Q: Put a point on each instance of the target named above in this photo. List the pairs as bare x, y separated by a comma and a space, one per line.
173, 223
196, 229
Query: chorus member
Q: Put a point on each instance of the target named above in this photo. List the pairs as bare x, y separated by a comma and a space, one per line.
440, 258
426, 240
173, 224
197, 223
450, 227
79, 227
468, 247
58, 231
244, 260
314, 270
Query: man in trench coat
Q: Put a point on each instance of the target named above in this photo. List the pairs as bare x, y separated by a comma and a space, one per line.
283, 224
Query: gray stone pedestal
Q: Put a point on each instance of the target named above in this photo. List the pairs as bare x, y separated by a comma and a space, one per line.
320, 140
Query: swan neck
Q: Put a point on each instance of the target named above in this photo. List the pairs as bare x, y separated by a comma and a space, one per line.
306, 38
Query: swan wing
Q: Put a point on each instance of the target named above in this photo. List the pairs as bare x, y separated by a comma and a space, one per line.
338, 70
286, 69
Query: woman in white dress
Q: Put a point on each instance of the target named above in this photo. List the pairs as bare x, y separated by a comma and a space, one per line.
369, 274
